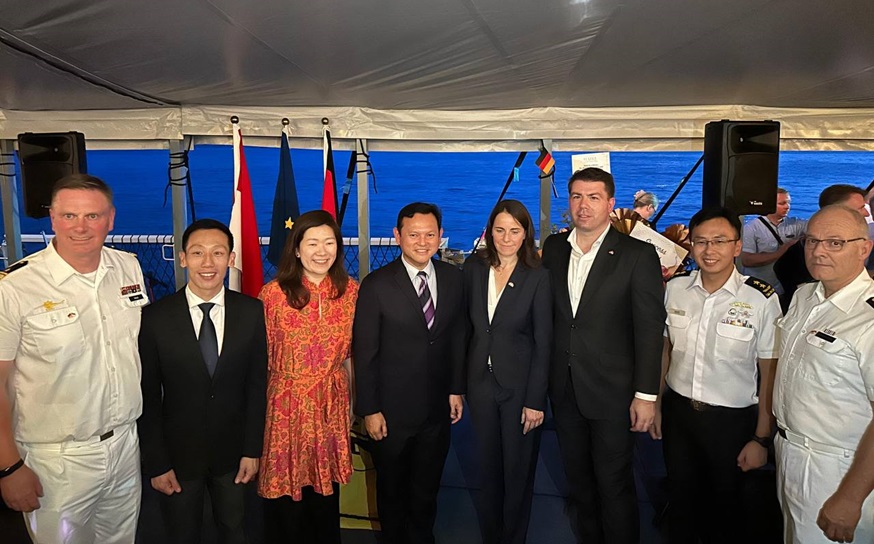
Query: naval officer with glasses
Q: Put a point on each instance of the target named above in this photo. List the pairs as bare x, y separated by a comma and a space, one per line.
824, 389
720, 343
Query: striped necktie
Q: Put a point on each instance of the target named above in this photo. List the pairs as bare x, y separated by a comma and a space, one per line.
425, 299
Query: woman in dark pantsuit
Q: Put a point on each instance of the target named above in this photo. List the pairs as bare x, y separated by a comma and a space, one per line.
510, 309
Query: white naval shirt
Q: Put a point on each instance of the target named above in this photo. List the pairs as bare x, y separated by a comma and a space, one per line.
718, 337
74, 344
825, 379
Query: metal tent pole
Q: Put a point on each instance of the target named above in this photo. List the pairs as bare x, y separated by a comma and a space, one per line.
546, 199
363, 194
178, 175
9, 196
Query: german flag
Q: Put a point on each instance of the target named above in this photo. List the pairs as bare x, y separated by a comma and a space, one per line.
545, 161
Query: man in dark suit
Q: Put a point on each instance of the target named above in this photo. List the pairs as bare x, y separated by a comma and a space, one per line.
604, 377
204, 357
408, 348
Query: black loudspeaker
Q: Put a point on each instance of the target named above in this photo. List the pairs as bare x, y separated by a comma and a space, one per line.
46, 158
740, 166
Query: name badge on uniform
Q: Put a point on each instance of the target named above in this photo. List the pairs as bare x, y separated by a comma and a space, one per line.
824, 334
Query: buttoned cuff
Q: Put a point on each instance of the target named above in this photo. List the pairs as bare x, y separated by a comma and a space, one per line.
645, 396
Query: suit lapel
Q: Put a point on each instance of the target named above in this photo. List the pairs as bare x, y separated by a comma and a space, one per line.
228, 340
563, 258
406, 287
602, 267
181, 320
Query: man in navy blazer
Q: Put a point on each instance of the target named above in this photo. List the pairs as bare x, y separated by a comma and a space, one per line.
204, 357
408, 351
604, 378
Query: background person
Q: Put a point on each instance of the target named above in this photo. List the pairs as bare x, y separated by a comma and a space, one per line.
69, 317
824, 389
309, 309
204, 355
767, 237
510, 309
609, 316
408, 345
645, 204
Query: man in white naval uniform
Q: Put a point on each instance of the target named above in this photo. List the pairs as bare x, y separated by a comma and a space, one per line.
824, 388
70, 377
720, 344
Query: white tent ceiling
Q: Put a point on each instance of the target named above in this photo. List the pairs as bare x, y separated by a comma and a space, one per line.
638, 74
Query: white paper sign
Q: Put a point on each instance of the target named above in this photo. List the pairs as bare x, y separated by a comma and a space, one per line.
670, 254
586, 160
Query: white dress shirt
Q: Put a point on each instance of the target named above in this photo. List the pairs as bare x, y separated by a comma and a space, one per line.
216, 313
825, 380
580, 265
718, 337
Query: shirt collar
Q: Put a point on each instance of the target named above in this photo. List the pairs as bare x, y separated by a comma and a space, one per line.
572, 240
61, 270
194, 300
732, 284
847, 296
412, 271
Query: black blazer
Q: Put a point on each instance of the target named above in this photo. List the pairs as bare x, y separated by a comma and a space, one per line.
613, 346
200, 424
519, 337
402, 369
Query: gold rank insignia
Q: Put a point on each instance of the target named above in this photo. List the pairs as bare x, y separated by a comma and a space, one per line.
760, 286
49, 305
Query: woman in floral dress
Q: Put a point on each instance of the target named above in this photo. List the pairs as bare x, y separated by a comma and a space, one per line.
308, 310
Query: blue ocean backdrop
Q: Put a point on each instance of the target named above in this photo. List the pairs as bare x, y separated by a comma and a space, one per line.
464, 185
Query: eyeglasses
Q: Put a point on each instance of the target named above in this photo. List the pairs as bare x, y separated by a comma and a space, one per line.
831, 244
717, 243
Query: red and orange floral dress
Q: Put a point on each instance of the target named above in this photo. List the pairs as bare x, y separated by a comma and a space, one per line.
306, 435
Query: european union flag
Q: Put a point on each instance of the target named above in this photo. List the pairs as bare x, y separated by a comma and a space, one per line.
285, 206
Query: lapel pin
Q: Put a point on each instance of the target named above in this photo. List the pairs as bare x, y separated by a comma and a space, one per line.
511, 284
610, 252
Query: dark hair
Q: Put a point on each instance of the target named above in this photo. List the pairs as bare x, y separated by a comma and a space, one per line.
207, 224
82, 181
716, 212
594, 174
837, 194
527, 252
423, 208
289, 275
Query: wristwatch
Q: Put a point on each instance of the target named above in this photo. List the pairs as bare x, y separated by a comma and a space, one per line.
9, 470
764, 441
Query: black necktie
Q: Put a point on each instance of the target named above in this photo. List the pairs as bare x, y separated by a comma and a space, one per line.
208, 339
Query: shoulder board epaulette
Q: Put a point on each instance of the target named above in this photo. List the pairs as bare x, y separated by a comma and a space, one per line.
13, 268
870, 302
760, 286
681, 274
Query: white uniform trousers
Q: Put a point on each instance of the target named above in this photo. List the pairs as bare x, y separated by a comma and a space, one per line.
807, 475
91, 489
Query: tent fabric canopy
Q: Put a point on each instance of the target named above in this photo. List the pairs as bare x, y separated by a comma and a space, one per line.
441, 74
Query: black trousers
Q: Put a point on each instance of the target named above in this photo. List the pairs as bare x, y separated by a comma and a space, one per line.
313, 519
183, 512
597, 456
507, 461
704, 482
409, 466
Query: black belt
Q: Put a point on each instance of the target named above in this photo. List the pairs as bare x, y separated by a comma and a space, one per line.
107, 435
701, 406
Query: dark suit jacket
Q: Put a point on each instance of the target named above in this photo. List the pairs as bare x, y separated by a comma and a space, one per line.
402, 369
519, 337
201, 425
614, 344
